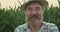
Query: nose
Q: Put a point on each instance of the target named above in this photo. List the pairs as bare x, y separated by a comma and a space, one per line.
33, 12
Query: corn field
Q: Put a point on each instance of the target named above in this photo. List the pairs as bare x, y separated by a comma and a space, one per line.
11, 18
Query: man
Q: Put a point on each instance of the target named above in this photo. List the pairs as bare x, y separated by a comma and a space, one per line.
34, 18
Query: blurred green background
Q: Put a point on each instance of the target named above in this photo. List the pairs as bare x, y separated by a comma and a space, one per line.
11, 18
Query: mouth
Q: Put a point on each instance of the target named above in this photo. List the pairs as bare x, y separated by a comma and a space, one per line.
34, 18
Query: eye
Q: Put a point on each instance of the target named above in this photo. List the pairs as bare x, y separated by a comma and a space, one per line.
29, 9
37, 8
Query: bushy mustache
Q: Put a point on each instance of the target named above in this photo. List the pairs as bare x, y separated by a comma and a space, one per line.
34, 16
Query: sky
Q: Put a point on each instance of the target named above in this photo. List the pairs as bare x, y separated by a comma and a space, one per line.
13, 3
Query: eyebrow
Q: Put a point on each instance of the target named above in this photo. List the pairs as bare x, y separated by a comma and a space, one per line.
37, 7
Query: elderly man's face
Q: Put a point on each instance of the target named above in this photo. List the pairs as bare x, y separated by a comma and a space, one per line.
34, 12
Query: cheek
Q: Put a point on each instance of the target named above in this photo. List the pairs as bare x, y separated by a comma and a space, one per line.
40, 13
28, 13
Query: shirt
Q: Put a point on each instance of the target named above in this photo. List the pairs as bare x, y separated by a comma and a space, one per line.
46, 27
